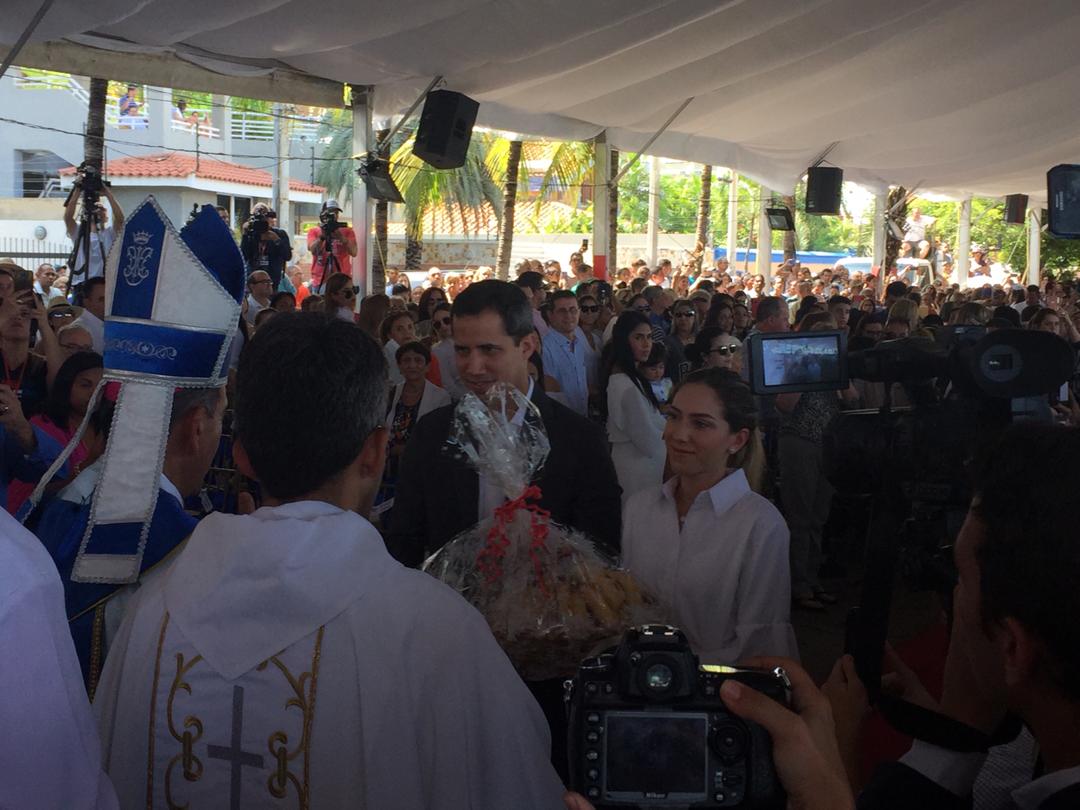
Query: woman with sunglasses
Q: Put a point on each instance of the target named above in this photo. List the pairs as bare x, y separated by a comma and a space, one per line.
705, 541
684, 327
634, 421
715, 348
340, 298
431, 298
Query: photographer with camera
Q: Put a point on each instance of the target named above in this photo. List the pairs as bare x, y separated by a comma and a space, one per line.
93, 229
264, 246
332, 245
1015, 646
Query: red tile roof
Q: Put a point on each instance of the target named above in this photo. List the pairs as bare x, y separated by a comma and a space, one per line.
178, 164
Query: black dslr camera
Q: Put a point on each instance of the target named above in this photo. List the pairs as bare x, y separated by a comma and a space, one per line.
259, 223
648, 729
329, 223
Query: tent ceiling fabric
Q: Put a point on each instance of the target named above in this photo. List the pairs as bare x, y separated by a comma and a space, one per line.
956, 96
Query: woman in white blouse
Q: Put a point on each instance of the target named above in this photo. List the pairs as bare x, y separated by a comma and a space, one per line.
710, 547
635, 424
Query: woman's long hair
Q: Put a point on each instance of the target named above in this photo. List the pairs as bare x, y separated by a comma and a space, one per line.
58, 404
740, 411
619, 356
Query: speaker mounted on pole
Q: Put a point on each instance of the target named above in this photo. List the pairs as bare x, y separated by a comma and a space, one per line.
446, 126
1015, 208
824, 189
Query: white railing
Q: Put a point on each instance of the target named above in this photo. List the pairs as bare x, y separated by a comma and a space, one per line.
255, 126
204, 127
54, 81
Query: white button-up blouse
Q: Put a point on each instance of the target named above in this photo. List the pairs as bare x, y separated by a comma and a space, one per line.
724, 574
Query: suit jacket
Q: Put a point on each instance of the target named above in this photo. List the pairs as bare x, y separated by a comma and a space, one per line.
895, 786
438, 495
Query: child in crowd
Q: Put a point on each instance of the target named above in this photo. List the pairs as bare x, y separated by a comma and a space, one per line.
653, 370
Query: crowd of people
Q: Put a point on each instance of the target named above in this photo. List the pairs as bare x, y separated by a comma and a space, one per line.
714, 498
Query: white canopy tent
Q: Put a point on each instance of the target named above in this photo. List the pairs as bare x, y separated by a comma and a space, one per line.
946, 95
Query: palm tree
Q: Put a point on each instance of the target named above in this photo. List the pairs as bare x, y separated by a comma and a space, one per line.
896, 206
382, 209
427, 189
511, 168
94, 144
336, 169
789, 236
704, 214
571, 166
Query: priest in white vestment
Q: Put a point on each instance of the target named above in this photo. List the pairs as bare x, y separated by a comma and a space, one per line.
285, 659
49, 748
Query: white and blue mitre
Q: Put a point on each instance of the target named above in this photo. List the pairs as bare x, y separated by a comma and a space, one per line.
172, 308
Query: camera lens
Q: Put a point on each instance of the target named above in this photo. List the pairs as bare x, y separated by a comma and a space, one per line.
659, 677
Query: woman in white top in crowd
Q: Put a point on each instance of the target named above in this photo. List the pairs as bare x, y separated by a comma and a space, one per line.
395, 331
705, 542
634, 422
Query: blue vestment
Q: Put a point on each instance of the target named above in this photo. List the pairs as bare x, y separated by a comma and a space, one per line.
61, 525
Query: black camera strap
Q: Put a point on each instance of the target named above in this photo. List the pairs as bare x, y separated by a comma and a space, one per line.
942, 731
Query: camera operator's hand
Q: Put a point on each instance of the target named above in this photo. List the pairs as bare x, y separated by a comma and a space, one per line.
850, 706
804, 742
575, 801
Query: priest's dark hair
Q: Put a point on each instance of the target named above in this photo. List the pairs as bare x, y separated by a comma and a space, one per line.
507, 300
310, 390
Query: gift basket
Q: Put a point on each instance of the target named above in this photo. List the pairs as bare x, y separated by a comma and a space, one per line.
550, 596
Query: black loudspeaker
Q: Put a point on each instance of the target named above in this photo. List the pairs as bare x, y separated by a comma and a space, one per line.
1063, 194
824, 189
1015, 208
446, 126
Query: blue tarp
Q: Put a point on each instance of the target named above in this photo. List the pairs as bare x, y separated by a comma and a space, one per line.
804, 256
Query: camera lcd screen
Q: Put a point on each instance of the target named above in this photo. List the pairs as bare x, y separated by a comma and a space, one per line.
788, 362
656, 755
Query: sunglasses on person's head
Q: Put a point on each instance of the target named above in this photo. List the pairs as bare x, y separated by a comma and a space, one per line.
731, 348
61, 313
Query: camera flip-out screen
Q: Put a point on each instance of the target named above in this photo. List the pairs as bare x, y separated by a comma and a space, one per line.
803, 361
656, 755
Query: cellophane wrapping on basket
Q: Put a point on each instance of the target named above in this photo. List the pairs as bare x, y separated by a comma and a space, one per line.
550, 596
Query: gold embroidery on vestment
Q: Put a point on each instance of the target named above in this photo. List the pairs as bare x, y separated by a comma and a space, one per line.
304, 691
97, 646
153, 711
191, 765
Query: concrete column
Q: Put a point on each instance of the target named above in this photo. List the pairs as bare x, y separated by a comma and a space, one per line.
363, 216
279, 195
1034, 250
764, 241
733, 218
653, 232
962, 255
601, 180
881, 205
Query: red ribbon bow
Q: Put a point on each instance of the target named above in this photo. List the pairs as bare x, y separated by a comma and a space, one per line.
489, 560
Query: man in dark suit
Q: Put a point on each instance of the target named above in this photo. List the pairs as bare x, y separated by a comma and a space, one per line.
438, 495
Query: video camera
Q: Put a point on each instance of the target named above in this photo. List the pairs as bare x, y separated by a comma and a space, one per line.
259, 222
90, 180
329, 223
648, 729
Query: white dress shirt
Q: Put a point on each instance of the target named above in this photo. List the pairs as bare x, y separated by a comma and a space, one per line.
724, 573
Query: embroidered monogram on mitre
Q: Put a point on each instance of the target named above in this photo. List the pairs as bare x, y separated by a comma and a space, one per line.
138, 255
